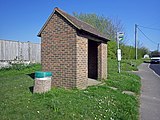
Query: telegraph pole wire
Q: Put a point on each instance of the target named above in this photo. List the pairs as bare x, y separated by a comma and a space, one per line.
149, 28
146, 36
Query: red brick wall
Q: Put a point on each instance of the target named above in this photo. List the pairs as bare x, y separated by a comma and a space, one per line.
102, 61
82, 62
59, 51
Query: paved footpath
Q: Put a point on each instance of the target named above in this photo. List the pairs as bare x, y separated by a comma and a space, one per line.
150, 93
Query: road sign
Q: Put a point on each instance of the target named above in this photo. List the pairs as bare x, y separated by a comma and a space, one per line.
119, 54
120, 36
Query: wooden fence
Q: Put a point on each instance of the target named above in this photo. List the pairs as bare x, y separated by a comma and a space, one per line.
12, 50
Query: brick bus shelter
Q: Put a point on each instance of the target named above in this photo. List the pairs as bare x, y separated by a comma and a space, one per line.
72, 50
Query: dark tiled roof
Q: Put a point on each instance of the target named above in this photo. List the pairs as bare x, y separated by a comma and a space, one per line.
77, 23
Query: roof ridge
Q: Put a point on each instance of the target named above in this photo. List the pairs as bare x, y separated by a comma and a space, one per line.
56, 8
62, 13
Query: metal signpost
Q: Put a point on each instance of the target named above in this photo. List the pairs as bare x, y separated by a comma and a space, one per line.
120, 36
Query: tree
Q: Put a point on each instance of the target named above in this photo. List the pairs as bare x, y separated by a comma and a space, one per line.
106, 26
142, 51
155, 53
112, 49
109, 28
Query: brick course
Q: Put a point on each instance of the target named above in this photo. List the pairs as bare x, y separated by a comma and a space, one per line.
82, 62
102, 61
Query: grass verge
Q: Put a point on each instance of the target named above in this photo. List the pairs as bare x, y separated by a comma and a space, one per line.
95, 102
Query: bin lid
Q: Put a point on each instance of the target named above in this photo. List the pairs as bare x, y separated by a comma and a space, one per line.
41, 74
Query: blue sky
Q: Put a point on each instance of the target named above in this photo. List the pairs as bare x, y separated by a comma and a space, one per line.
22, 19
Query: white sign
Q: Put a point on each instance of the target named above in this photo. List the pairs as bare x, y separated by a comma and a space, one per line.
119, 54
120, 36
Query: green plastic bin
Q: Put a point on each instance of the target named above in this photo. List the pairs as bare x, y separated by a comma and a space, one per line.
41, 74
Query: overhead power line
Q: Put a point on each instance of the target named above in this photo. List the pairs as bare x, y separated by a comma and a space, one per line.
146, 36
149, 28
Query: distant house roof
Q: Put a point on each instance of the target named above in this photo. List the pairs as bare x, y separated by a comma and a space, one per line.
146, 56
80, 25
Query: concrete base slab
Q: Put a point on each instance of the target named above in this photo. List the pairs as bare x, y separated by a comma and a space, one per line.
92, 82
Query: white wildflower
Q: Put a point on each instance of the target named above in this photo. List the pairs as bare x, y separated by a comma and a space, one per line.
111, 118
81, 115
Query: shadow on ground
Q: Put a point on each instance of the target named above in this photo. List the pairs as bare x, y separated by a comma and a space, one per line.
32, 75
146, 61
31, 89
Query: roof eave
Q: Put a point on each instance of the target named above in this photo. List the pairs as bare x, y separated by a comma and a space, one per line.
104, 39
39, 34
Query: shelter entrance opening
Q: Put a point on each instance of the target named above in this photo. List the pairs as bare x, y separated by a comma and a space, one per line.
92, 59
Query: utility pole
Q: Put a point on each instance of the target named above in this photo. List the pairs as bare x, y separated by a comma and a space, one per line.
158, 47
136, 41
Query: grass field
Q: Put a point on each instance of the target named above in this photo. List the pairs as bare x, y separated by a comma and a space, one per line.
96, 102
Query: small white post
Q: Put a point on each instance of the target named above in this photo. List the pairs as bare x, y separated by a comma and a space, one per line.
119, 37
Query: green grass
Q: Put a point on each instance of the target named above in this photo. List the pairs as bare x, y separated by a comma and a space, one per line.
130, 65
96, 102
19, 69
124, 81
